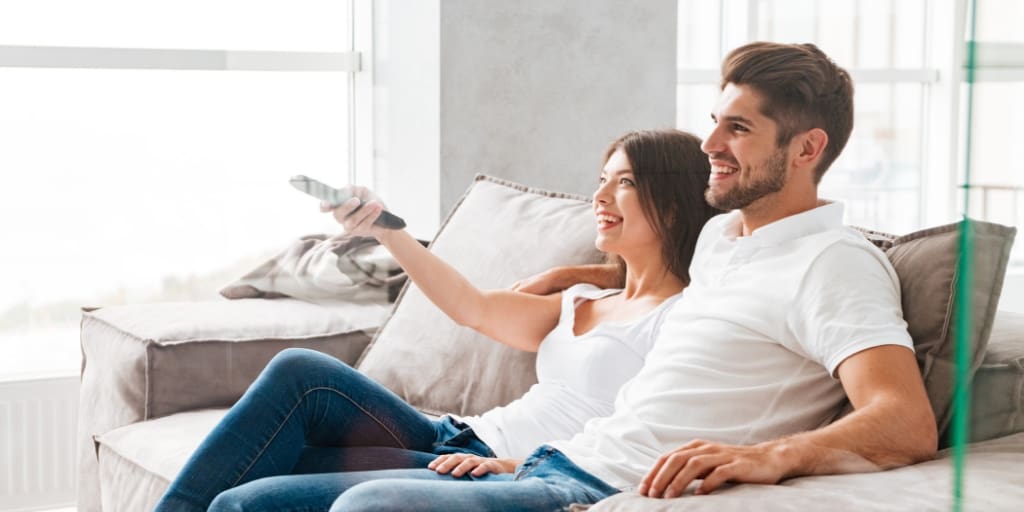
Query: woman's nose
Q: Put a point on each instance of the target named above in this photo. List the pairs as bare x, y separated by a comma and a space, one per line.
601, 194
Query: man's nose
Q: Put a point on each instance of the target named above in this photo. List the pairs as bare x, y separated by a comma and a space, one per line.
713, 142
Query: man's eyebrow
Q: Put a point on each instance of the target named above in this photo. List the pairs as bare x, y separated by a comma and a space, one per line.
734, 119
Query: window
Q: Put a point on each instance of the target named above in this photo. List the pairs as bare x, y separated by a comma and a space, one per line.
903, 166
881, 43
146, 155
996, 177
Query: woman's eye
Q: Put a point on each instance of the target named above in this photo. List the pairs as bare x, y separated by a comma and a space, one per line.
601, 179
626, 181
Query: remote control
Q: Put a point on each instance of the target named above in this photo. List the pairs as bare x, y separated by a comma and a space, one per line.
334, 197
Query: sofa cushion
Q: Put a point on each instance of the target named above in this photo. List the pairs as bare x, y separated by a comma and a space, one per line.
498, 233
993, 481
220, 344
134, 471
926, 263
997, 397
145, 361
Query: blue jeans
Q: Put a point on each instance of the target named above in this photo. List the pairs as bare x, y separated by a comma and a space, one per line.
308, 412
546, 481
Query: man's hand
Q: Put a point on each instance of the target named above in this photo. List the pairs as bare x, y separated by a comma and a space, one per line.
545, 283
717, 464
459, 464
560, 278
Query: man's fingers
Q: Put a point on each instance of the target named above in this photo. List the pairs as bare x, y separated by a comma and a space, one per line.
719, 476
696, 467
645, 485
666, 472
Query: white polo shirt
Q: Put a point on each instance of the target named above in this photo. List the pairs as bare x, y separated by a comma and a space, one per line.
749, 352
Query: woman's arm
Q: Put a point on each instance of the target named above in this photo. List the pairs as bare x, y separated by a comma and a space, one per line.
520, 320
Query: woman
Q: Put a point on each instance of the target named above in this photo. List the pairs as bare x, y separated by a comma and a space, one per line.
649, 209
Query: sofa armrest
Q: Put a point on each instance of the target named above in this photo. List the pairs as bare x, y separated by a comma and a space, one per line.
145, 361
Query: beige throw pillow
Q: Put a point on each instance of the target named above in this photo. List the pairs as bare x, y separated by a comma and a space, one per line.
498, 233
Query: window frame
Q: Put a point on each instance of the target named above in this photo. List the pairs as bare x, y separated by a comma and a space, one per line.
355, 60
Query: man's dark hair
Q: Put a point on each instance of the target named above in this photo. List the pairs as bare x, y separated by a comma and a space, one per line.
801, 88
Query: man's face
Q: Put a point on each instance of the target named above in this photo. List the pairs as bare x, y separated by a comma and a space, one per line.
746, 165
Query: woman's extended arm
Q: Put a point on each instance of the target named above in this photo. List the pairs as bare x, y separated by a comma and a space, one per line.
520, 320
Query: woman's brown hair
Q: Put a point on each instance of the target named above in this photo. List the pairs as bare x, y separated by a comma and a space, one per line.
671, 173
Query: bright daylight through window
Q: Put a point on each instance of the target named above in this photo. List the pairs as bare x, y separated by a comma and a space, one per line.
901, 168
156, 184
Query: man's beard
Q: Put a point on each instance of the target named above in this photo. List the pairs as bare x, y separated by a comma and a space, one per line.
771, 180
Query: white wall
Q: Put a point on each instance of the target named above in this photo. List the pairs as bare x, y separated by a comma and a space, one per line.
406, 74
528, 91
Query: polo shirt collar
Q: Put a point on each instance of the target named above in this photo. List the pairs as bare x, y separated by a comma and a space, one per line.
828, 215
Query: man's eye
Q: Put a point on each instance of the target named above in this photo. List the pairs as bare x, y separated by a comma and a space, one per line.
739, 128
601, 179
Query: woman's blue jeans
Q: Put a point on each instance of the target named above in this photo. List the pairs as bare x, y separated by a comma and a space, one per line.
546, 481
310, 413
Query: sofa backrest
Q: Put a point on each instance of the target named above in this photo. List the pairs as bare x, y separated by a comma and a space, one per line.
500, 232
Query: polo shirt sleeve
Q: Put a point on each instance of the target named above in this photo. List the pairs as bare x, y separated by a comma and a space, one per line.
848, 301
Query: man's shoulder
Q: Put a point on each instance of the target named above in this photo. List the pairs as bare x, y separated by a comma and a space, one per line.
846, 260
843, 244
837, 255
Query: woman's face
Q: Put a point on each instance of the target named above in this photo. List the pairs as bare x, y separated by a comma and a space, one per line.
622, 227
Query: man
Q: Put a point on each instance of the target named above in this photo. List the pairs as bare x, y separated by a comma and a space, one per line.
741, 385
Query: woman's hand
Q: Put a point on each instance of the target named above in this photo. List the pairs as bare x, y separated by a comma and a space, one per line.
458, 464
357, 220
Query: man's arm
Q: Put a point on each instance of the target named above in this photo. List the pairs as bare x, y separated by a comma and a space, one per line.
559, 278
892, 425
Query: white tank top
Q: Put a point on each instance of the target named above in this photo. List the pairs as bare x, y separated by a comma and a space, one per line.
578, 378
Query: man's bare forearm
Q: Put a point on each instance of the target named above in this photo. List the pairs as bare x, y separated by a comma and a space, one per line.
559, 278
604, 275
880, 436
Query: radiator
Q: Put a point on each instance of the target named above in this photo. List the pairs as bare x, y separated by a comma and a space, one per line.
38, 418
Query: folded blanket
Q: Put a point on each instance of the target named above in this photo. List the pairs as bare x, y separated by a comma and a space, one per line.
323, 269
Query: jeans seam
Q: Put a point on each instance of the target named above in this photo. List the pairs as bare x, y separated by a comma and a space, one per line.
292, 411
536, 460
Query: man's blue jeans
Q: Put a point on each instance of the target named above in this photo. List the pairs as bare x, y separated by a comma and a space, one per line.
310, 413
546, 481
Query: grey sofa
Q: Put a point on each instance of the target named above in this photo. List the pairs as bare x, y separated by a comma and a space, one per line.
156, 378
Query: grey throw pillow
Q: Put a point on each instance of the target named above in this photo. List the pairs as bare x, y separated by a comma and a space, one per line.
498, 233
926, 264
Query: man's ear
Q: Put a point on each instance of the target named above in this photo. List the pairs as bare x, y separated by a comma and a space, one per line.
809, 146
